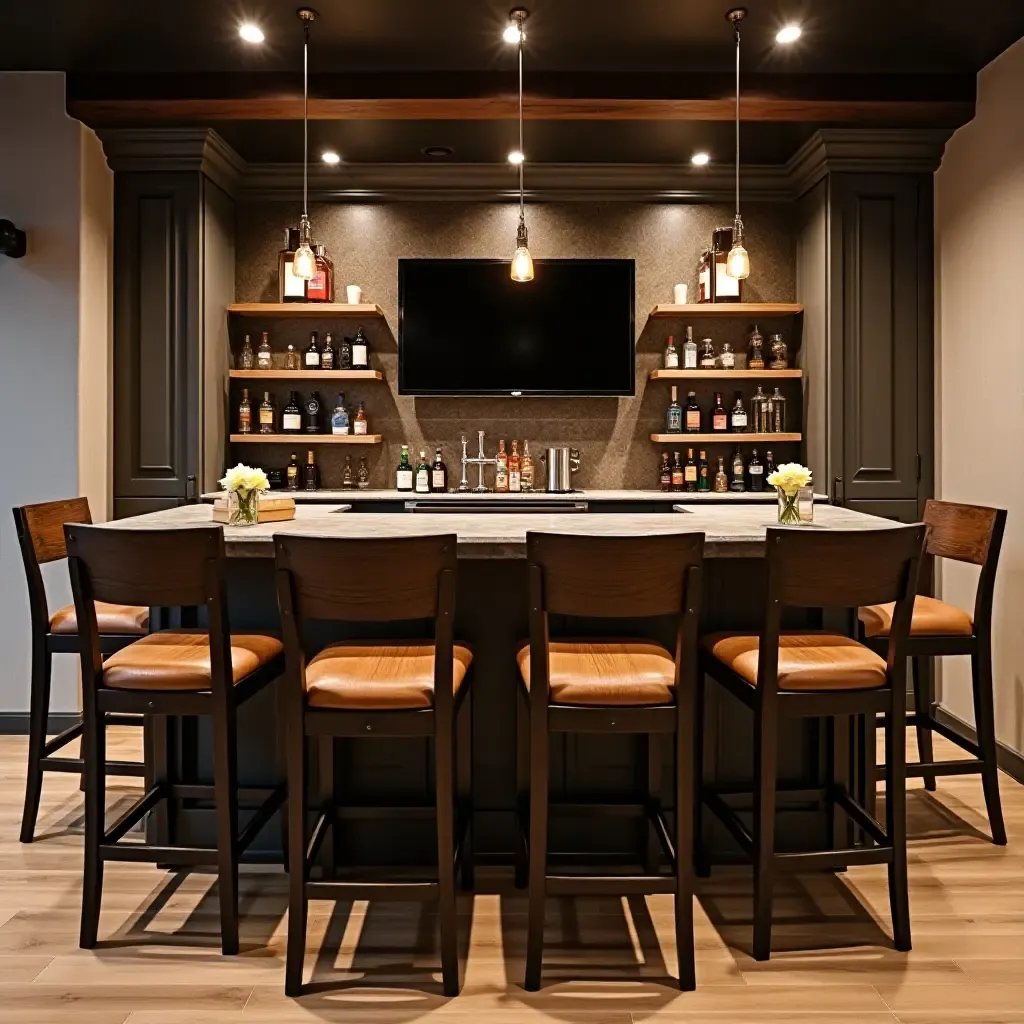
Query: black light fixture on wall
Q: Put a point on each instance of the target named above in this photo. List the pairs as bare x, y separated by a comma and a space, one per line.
12, 240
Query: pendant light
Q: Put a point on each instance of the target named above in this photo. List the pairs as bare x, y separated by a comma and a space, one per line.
522, 261
304, 261
737, 263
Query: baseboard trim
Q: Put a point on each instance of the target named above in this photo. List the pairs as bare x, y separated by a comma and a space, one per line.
15, 724
1009, 759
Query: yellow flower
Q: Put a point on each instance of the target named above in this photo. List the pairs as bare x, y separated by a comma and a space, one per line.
244, 479
790, 476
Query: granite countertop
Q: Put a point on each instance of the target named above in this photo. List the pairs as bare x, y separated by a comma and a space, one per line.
731, 531
327, 495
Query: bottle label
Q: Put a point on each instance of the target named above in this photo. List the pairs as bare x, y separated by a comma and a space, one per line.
317, 290
403, 480
312, 358
720, 421
690, 473
672, 360
360, 427
437, 480
693, 419
339, 425
675, 420
422, 481
264, 361
294, 286
726, 287
756, 470
728, 361
327, 360
244, 421
514, 480
690, 359
290, 421
707, 362
359, 356
267, 416
739, 419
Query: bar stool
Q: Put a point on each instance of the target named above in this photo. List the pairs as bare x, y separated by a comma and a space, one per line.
371, 688
964, 533
614, 685
40, 530
817, 674
169, 672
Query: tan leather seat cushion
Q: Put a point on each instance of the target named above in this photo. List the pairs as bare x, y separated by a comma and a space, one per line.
375, 676
180, 660
111, 618
931, 618
621, 672
807, 661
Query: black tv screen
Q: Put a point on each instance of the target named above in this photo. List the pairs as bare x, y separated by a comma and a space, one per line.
466, 328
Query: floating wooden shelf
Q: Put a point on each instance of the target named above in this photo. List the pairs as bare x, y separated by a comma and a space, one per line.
301, 439
683, 439
306, 374
323, 310
747, 309
723, 374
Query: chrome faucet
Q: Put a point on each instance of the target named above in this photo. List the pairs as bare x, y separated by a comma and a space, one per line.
480, 461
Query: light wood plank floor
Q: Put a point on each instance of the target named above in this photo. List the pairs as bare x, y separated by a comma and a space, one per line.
607, 961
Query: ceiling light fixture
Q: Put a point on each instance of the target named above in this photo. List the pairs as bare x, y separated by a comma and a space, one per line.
514, 29
304, 262
437, 152
516, 157
738, 262
700, 159
251, 33
522, 261
788, 33
330, 157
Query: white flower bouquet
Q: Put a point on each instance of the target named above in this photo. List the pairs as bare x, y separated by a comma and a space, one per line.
244, 485
788, 480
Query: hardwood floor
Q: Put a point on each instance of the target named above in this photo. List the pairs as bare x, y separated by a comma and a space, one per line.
607, 961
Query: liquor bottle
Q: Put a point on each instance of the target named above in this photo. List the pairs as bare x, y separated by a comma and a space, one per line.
313, 413
291, 417
671, 354
692, 414
760, 411
779, 353
689, 351
422, 484
403, 475
347, 481
704, 291
264, 358
310, 474
515, 480
755, 470
312, 359
719, 417
755, 352
289, 287
665, 473
703, 472
291, 359
738, 482
526, 471
320, 287
360, 351
327, 356
359, 424
738, 416
690, 472
339, 418
778, 418
769, 464
266, 414
248, 358
245, 413
677, 472
726, 288
721, 480
293, 473
674, 415
345, 354
501, 474
727, 358
707, 354
363, 479
439, 474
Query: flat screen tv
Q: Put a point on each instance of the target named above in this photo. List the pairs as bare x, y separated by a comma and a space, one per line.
465, 328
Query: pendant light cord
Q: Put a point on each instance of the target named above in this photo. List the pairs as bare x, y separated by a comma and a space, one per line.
737, 120
305, 118
522, 207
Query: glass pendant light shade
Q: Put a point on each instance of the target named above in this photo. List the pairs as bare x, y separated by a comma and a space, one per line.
522, 261
737, 263
304, 261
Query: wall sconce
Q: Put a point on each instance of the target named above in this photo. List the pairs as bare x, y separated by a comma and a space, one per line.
12, 241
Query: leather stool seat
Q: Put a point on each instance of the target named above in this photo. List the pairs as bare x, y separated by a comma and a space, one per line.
807, 661
110, 618
175, 659
931, 617
621, 673
376, 676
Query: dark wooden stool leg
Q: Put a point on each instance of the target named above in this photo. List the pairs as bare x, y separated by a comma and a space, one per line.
923, 713
465, 783
984, 721
539, 752
327, 799
39, 712
765, 725
444, 748
298, 779
522, 789
701, 863
896, 821
685, 785
94, 754
652, 848
225, 758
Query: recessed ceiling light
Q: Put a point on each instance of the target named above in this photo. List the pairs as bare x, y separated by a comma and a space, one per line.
515, 157
251, 33
699, 159
788, 34
330, 157
437, 152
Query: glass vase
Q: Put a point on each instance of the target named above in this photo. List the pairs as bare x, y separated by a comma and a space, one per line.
789, 509
243, 508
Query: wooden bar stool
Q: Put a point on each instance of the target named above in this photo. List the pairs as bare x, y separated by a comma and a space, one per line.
614, 685
40, 530
374, 688
170, 672
811, 674
964, 533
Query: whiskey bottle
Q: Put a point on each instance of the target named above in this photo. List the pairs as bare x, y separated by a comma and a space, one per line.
689, 351
266, 414
312, 359
760, 412
310, 474
347, 480
721, 480
719, 417
248, 358
345, 354
515, 481
707, 354
769, 464
245, 413
422, 485
674, 415
677, 472
727, 358
779, 353
692, 414
403, 475
526, 472
264, 357
703, 472
778, 417
327, 356
755, 353
738, 482
291, 417
320, 287
438, 474
360, 351
291, 359
671, 354
293, 473
665, 473
690, 472
501, 473
359, 424
339, 418
738, 417
755, 470
363, 479
290, 288
313, 413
